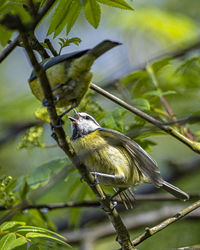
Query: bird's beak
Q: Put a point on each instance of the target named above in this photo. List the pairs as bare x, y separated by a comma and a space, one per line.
75, 118
76, 114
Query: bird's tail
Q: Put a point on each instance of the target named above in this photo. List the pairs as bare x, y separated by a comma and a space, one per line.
175, 191
103, 47
127, 199
83, 63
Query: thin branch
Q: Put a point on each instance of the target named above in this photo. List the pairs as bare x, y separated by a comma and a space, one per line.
151, 231
50, 46
71, 204
59, 136
104, 229
9, 48
14, 43
195, 146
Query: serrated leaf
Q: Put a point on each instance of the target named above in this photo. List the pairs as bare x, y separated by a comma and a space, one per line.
141, 103
158, 65
134, 77
93, 12
10, 224
7, 241
117, 3
42, 174
66, 42
46, 237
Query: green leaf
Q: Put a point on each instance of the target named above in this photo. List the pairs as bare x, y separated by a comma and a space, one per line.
57, 20
93, 12
158, 65
42, 174
7, 241
19, 242
38, 229
135, 77
73, 15
5, 35
46, 237
117, 3
159, 93
10, 224
65, 14
141, 103
66, 42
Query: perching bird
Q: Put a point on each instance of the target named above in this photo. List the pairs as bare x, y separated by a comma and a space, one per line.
69, 75
114, 158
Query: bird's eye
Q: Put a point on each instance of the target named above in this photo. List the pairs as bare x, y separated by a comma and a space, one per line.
87, 117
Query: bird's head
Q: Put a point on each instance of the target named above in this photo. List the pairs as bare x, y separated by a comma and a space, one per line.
82, 124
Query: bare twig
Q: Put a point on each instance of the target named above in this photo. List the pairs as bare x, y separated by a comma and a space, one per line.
151, 231
195, 146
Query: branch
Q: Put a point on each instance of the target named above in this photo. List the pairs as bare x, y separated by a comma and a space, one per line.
51, 48
195, 146
151, 231
131, 221
74, 204
14, 43
59, 136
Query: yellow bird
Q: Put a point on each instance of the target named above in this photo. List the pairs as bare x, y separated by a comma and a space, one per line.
114, 158
69, 75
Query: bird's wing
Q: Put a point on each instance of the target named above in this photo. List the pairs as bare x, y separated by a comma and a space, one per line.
57, 59
142, 159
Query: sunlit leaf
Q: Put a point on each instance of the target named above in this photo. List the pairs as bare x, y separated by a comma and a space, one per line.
38, 230
10, 224
7, 241
92, 12
117, 3
34, 235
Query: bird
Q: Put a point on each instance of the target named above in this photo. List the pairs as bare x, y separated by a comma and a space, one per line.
69, 75
115, 159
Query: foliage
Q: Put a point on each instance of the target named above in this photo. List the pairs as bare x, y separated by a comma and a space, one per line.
64, 16
18, 235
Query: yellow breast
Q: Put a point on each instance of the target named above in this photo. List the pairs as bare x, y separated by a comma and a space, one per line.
99, 156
